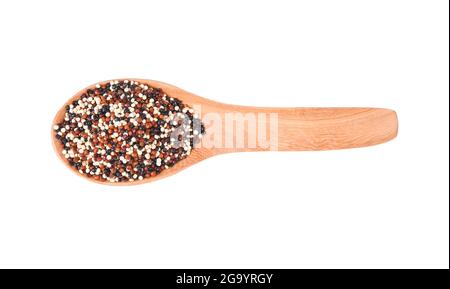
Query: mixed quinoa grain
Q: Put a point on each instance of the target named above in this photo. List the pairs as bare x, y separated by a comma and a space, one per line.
124, 131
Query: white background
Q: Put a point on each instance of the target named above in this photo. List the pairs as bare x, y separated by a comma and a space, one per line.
385, 206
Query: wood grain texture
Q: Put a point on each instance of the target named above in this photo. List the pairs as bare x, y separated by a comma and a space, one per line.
299, 129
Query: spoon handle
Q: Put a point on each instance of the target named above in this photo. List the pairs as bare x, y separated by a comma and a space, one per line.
306, 129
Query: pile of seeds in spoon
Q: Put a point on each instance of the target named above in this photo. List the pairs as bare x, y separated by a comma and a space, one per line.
124, 130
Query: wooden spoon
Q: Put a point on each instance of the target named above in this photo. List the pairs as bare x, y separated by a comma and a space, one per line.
298, 129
